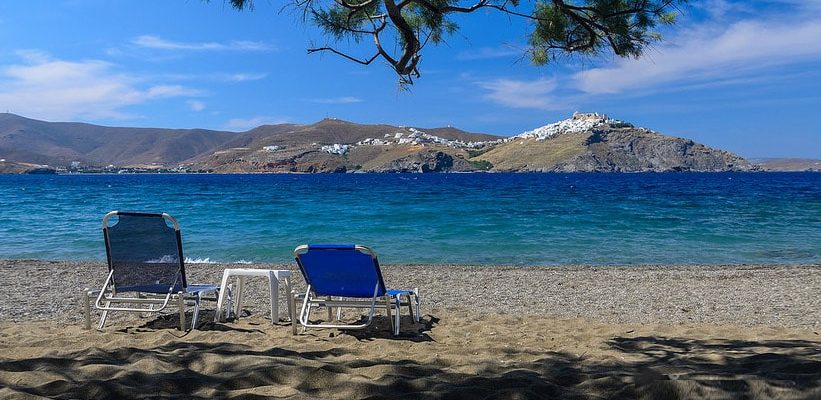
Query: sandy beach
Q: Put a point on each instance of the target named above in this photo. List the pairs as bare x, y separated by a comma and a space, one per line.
485, 332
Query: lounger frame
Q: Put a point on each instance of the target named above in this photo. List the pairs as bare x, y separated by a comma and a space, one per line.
108, 299
391, 301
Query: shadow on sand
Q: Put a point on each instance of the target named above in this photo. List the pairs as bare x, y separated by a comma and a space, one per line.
653, 368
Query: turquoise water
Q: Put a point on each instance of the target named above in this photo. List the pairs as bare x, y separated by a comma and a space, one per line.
680, 218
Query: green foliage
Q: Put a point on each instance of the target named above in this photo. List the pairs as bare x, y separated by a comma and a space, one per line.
477, 152
431, 23
341, 23
400, 30
482, 165
593, 26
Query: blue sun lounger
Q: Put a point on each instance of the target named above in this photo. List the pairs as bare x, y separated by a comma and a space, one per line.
348, 276
146, 268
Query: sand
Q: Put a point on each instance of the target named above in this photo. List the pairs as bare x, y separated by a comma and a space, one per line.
485, 332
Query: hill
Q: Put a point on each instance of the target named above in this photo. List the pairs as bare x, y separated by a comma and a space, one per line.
333, 145
584, 142
62, 143
7, 167
595, 143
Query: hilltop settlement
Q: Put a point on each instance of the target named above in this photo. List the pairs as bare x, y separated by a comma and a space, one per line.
585, 142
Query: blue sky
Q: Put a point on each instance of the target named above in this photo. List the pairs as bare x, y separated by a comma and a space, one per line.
742, 76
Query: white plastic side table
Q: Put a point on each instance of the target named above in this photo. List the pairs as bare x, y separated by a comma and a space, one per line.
274, 277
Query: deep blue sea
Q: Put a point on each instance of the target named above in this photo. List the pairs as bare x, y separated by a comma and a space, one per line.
541, 219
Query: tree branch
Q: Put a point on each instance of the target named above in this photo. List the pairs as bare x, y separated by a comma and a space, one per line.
567, 26
339, 53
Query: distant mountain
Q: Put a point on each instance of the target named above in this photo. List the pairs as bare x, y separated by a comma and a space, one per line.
585, 142
61, 143
788, 164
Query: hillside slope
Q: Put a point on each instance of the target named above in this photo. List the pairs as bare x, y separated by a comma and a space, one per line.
61, 143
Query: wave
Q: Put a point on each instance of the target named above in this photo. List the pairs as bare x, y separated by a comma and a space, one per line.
207, 260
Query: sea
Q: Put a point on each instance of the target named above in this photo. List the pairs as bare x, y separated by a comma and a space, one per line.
476, 219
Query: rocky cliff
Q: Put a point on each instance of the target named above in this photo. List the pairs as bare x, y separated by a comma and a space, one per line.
595, 143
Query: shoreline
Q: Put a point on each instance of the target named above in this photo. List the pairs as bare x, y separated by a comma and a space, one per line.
810, 170
742, 295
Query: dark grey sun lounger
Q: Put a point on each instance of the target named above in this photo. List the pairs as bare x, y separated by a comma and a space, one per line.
146, 268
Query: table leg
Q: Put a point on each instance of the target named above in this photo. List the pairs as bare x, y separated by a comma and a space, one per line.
221, 298
240, 295
274, 282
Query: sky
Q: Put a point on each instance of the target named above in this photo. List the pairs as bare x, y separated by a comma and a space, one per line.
743, 76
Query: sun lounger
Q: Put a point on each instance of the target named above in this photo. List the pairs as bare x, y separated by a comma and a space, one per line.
146, 268
348, 276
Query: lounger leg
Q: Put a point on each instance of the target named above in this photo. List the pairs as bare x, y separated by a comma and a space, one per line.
410, 306
305, 311
416, 297
388, 305
398, 312
104, 316
196, 311
181, 306
330, 311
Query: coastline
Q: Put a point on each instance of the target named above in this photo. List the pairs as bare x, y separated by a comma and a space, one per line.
485, 332
61, 173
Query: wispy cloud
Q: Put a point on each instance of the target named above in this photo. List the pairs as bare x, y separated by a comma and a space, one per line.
43, 87
196, 105
244, 77
216, 77
156, 42
710, 53
729, 47
534, 94
337, 100
484, 53
244, 124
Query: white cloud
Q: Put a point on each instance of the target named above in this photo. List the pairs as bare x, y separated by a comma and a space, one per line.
244, 77
196, 105
156, 42
735, 45
244, 124
337, 100
710, 53
215, 77
535, 94
172, 91
484, 53
47, 88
